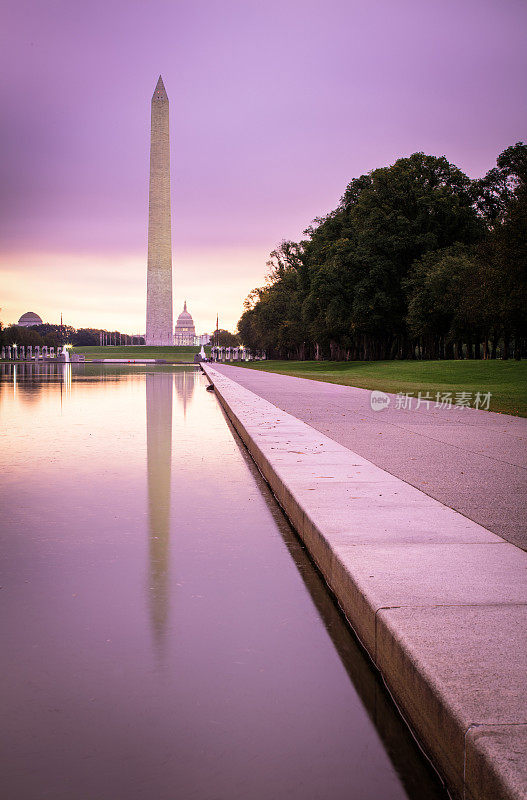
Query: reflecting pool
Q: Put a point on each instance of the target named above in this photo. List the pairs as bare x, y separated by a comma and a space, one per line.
164, 635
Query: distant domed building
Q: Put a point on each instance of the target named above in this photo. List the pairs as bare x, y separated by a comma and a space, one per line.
28, 319
185, 332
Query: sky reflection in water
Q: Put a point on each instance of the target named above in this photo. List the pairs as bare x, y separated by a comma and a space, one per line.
165, 635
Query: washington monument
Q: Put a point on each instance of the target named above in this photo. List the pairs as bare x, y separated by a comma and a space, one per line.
159, 329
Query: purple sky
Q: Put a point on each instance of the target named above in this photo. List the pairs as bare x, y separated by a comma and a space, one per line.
274, 107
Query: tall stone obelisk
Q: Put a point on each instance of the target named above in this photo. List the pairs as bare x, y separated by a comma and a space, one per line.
159, 330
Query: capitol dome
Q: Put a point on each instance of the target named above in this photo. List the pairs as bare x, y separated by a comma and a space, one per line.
185, 331
28, 319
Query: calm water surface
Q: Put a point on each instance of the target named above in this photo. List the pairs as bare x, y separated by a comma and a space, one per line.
164, 635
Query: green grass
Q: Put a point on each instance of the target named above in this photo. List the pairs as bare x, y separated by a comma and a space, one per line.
505, 380
172, 354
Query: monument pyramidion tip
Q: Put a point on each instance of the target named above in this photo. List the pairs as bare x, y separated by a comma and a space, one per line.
160, 91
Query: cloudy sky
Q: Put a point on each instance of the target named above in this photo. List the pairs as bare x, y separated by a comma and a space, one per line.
274, 107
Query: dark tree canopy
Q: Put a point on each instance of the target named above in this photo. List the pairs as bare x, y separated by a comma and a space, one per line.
223, 338
417, 259
58, 335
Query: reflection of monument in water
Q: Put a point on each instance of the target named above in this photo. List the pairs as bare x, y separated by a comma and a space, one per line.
159, 462
184, 383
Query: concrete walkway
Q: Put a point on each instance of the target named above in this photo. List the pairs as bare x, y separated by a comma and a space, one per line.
473, 461
439, 602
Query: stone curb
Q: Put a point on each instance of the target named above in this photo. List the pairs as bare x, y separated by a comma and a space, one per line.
439, 602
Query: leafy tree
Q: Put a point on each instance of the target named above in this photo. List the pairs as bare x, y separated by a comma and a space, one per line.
361, 253
506, 253
19, 334
497, 191
54, 335
450, 301
418, 205
416, 259
86, 337
223, 338
272, 320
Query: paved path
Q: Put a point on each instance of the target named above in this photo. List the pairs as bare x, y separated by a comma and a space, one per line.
473, 461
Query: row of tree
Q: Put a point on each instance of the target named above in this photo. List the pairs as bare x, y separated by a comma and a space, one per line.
58, 335
417, 261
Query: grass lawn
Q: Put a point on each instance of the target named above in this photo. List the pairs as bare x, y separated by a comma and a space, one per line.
505, 380
133, 351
